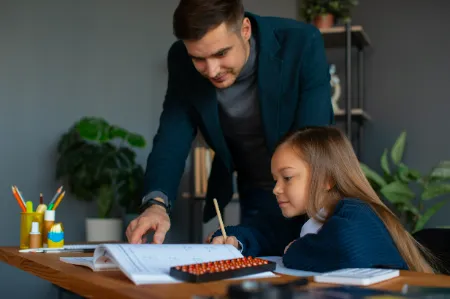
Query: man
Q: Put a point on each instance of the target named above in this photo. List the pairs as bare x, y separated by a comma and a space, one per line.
244, 81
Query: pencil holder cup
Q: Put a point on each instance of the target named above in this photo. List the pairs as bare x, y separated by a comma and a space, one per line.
26, 218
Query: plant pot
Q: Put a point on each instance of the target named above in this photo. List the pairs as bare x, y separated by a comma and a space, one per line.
324, 21
104, 229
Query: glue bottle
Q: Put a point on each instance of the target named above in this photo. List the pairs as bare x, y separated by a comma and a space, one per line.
56, 236
49, 220
35, 235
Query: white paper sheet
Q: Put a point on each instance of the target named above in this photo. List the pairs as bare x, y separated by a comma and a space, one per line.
281, 269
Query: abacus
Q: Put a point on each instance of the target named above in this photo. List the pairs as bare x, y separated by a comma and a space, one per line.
222, 269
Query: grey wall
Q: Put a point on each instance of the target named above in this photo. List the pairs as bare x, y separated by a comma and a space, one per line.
61, 60
407, 79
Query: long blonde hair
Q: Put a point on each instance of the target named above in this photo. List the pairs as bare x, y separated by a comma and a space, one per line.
331, 158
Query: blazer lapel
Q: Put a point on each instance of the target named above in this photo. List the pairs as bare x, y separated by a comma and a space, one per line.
270, 81
207, 106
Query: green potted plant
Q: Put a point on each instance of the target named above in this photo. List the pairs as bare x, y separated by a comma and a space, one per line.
133, 186
397, 182
326, 13
96, 163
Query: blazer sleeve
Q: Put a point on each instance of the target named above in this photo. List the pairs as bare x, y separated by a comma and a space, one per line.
266, 235
345, 243
172, 142
315, 108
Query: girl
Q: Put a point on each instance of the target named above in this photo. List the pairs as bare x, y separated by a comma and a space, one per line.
317, 174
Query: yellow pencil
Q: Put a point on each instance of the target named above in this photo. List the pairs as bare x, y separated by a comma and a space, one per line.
58, 200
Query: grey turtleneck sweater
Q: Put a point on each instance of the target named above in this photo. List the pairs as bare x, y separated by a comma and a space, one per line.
241, 123
240, 117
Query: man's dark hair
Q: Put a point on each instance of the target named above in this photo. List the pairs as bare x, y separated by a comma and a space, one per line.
192, 19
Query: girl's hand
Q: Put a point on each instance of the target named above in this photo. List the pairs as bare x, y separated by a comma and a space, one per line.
287, 247
208, 238
230, 240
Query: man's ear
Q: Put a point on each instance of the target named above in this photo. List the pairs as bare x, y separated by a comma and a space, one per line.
246, 29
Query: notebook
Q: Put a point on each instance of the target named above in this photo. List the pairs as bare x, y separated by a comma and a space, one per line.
150, 263
357, 276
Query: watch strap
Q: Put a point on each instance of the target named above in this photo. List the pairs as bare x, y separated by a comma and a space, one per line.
149, 202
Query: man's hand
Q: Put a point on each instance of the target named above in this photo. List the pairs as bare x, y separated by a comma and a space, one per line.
230, 240
154, 219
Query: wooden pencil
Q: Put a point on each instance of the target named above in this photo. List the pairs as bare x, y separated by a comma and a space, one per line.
219, 216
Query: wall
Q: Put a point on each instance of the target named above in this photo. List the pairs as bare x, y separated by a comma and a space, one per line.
61, 61
407, 73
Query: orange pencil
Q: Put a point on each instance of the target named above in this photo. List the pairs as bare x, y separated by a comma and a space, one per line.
20, 195
19, 200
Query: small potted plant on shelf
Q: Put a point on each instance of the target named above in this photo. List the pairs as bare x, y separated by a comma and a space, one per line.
326, 13
96, 162
397, 182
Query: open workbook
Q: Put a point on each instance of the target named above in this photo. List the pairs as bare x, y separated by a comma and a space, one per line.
150, 263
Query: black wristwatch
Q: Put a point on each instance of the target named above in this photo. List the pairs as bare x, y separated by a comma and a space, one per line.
151, 202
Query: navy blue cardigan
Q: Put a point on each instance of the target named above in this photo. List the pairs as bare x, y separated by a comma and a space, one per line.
354, 236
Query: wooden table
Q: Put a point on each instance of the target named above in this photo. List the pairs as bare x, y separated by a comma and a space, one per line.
114, 284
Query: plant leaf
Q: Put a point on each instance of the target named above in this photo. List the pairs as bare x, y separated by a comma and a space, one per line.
414, 175
385, 162
397, 192
372, 175
398, 148
408, 206
93, 128
105, 201
403, 173
118, 132
441, 171
427, 215
136, 140
434, 190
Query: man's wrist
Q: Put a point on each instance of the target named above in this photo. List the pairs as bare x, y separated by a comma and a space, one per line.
156, 194
149, 202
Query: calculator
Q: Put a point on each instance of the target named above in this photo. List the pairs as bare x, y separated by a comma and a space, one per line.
357, 276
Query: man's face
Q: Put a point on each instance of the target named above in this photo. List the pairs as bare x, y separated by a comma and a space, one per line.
221, 54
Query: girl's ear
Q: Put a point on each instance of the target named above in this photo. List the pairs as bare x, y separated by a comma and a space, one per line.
330, 184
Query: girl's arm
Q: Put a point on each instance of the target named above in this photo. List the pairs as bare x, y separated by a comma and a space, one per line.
359, 240
267, 235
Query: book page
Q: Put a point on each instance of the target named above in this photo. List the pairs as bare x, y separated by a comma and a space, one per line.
101, 264
150, 263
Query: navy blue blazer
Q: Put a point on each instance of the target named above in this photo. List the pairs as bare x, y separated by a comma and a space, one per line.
294, 88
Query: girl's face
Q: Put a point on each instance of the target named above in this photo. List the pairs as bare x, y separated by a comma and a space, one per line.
292, 177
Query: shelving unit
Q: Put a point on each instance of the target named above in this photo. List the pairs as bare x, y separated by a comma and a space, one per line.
200, 164
350, 37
